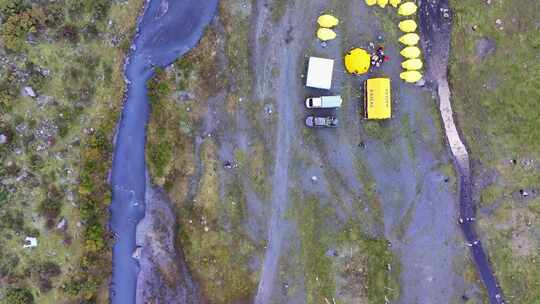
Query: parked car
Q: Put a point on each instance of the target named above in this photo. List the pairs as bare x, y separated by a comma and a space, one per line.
324, 102
321, 122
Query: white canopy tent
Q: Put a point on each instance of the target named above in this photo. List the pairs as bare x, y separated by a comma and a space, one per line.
319, 73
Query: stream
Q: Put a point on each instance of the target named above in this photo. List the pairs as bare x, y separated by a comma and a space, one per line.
436, 28
166, 30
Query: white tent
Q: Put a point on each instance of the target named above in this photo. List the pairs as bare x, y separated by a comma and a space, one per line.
319, 73
30, 242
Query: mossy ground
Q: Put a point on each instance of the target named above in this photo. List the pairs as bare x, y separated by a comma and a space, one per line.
339, 261
496, 104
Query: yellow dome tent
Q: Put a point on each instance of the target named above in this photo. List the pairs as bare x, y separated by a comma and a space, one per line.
395, 3
407, 9
410, 52
327, 21
409, 39
382, 3
371, 2
411, 76
407, 26
357, 61
326, 34
412, 64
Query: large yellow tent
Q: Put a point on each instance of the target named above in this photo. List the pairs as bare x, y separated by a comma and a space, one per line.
412, 64
411, 76
357, 61
382, 3
327, 21
410, 52
395, 3
326, 34
409, 39
371, 2
407, 9
377, 98
407, 26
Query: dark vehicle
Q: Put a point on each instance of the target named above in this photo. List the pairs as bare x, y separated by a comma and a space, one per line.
321, 122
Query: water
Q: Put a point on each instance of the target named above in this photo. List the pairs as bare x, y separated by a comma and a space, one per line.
166, 31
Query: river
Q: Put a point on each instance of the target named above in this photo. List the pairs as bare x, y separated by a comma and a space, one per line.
166, 30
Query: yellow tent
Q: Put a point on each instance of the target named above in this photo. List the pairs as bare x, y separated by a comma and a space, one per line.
409, 39
382, 3
412, 64
407, 8
410, 52
357, 61
411, 76
371, 2
327, 21
377, 98
326, 34
395, 3
407, 26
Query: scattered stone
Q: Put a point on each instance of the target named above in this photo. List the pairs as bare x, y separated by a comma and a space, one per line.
314, 178
28, 91
206, 229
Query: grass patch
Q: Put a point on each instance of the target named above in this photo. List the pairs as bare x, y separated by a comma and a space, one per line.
315, 240
278, 9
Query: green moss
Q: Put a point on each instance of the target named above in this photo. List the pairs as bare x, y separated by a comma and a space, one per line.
278, 9
315, 240
214, 243
375, 264
490, 194
408, 134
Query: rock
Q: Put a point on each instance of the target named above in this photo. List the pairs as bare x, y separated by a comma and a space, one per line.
485, 47
314, 178
28, 91
3, 139
137, 253
420, 83
62, 224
